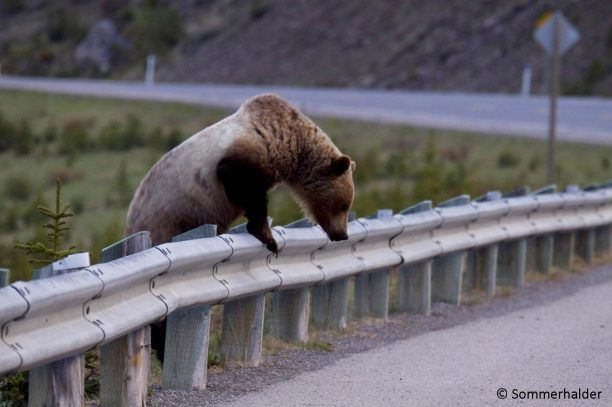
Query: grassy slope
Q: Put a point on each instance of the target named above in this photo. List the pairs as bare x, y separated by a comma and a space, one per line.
389, 158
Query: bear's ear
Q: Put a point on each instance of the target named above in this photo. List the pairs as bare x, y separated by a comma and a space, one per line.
340, 165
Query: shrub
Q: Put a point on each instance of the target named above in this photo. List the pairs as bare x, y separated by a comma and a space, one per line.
535, 163
156, 28
133, 133
14, 389
110, 137
7, 134
51, 250
429, 177
508, 159
24, 139
122, 184
74, 138
64, 24
116, 137
173, 138
18, 187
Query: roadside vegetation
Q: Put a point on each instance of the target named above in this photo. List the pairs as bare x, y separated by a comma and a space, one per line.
101, 148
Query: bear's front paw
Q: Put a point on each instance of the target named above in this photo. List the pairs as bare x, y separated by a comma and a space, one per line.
272, 246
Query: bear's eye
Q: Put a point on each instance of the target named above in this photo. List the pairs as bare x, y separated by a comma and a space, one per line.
344, 208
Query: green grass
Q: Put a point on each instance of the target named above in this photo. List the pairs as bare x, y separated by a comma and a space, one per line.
392, 166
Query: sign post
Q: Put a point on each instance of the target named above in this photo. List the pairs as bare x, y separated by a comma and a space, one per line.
556, 35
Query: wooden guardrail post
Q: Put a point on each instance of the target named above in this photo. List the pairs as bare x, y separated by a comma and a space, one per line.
242, 333
187, 336
447, 270
125, 362
243, 326
330, 304
414, 291
361, 301
585, 244
289, 315
59, 383
481, 270
543, 245
603, 240
372, 288
512, 255
4, 277
290, 309
563, 251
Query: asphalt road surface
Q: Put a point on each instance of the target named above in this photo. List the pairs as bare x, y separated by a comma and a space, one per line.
587, 120
565, 344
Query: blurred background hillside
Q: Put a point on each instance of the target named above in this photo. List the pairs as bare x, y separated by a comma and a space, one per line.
478, 45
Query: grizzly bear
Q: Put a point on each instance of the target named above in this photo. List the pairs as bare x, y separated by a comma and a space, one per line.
227, 169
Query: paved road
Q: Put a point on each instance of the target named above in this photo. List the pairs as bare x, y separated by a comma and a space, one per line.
563, 344
586, 120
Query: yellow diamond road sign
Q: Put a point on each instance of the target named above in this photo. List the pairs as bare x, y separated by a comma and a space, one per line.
544, 35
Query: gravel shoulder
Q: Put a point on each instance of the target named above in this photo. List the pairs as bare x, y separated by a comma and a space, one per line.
228, 385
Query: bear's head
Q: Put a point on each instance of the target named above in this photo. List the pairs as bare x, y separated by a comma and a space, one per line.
328, 198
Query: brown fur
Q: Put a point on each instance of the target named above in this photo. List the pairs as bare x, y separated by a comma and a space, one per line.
276, 144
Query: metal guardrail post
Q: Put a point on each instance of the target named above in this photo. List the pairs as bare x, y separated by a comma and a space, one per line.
447, 270
4, 277
243, 326
290, 309
372, 288
187, 336
125, 362
59, 383
414, 294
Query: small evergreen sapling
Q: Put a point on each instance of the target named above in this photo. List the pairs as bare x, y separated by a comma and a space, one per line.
51, 250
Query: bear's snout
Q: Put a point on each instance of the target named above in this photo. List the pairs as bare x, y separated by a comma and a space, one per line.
337, 236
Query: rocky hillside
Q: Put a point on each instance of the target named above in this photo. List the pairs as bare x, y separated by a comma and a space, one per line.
477, 45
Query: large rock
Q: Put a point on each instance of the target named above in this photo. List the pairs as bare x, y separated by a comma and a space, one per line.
102, 47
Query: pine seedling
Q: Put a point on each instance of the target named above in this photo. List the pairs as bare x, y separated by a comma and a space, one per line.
56, 226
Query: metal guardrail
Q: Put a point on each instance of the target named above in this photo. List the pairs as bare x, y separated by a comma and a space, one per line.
46, 320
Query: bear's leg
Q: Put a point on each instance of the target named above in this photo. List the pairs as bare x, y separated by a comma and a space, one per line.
246, 186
